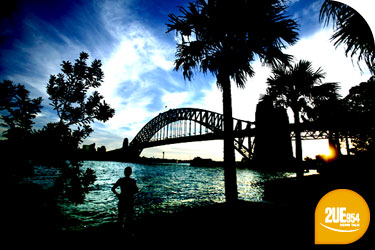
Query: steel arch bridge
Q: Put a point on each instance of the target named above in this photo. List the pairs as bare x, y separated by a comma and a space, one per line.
188, 125
192, 124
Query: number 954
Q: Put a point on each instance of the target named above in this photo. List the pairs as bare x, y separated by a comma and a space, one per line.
338, 215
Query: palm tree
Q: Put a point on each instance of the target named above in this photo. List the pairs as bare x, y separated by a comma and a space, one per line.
224, 37
296, 87
350, 28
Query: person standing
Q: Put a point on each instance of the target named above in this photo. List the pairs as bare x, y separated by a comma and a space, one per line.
129, 188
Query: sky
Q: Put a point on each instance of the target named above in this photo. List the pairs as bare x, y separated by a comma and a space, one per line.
129, 37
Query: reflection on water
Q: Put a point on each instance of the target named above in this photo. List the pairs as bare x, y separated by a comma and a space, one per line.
163, 188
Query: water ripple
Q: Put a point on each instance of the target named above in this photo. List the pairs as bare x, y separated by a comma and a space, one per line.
163, 188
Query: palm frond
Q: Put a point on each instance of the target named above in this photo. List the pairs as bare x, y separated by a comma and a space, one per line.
223, 38
296, 85
326, 91
351, 29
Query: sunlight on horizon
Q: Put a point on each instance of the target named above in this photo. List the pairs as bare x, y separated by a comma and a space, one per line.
313, 148
331, 154
214, 150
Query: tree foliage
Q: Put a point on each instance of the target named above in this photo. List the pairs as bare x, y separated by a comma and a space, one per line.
327, 111
351, 29
223, 37
296, 86
18, 110
68, 92
360, 104
77, 105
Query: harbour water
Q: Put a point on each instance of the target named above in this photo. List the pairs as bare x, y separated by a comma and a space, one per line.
163, 188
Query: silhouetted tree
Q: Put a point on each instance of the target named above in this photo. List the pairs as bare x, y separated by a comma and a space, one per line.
74, 182
293, 86
18, 110
68, 92
351, 29
360, 103
76, 111
328, 112
224, 37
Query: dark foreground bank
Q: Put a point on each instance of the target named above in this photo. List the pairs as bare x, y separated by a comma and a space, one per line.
286, 219
246, 223
256, 225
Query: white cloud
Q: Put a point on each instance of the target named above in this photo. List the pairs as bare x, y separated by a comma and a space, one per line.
41, 56
321, 52
127, 86
133, 112
313, 8
175, 99
137, 53
114, 13
244, 100
159, 59
211, 100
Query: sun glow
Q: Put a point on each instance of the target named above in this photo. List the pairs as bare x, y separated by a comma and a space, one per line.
330, 154
320, 148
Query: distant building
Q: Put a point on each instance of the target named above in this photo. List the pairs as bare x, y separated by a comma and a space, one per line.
102, 149
89, 148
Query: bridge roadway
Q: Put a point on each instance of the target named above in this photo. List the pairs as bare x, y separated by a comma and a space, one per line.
194, 138
180, 125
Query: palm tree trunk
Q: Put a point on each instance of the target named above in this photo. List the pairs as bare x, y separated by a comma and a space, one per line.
230, 177
297, 131
337, 143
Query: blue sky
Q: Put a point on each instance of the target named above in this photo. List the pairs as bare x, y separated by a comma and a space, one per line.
137, 55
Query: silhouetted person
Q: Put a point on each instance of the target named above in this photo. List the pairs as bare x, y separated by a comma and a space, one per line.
128, 188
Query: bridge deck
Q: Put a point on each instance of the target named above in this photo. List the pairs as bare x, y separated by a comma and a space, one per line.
185, 125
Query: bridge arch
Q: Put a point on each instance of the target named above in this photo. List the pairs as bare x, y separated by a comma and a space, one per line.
210, 120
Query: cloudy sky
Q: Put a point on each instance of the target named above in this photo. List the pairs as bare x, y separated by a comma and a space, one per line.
129, 37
